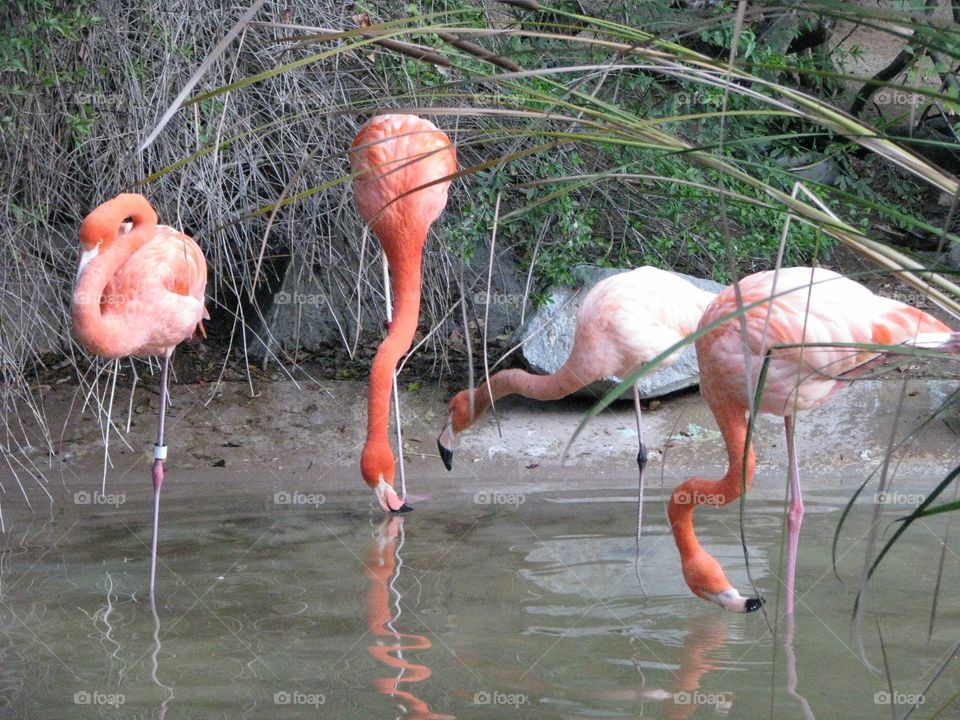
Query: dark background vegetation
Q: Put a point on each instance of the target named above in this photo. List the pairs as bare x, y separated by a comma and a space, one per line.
83, 83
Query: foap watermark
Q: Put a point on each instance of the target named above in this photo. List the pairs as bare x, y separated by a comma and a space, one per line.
500, 299
910, 297
282, 497
102, 100
500, 699
105, 298
98, 498
295, 697
897, 97
898, 698
685, 497
487, 497
719, 701
887, 497
698, 97
298, 298
95, 697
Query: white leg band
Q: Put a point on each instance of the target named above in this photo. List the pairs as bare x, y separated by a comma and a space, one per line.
159, 452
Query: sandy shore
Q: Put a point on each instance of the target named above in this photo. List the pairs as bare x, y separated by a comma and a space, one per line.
307, 439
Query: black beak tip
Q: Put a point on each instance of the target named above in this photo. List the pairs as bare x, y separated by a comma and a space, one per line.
753, 604
446, 454
403, 509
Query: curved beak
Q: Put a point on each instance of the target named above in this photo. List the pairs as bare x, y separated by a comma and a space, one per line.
445, 444
389, 501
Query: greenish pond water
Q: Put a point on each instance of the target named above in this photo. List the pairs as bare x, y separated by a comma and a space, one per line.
507, 609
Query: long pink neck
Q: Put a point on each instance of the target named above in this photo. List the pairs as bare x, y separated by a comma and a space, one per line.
695, 491
536, 387
405, 275
105, 334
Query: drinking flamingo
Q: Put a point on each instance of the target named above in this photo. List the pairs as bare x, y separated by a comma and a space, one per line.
138, 292
402, 168
812, 314
625, 320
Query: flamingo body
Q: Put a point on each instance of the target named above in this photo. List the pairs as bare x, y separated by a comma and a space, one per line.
402, 168
625, 321
140, 287
139, 291
808, 306
839, 310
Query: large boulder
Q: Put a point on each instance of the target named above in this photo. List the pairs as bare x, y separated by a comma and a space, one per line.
550, 331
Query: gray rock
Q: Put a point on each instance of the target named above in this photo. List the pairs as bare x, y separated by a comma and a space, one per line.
553, 327
302, 315
506, 297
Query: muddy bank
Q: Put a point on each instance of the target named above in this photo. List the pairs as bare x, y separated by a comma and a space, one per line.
307, 438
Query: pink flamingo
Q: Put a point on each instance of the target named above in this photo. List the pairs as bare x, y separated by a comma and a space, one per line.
403, 166
625, 321
813, 313
139, 292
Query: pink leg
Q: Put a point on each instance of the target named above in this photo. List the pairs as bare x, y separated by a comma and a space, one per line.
794, 514
159, 455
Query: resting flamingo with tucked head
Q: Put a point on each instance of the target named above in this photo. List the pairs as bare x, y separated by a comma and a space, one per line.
403, 166
625, 320
139, 292
812, 310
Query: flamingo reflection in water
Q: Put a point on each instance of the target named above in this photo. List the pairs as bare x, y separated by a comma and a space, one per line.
702, 653
383, 569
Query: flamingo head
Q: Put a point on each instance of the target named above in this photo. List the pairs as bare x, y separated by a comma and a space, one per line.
109, 221
465, 408
705, 578
376, 466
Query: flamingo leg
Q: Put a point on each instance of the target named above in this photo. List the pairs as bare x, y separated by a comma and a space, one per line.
159, 455
396, 392
794, 513
641, 464
641, 460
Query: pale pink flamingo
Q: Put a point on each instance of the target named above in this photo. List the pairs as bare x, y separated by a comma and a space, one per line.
138, 292
625, 321
812, 311
402, 168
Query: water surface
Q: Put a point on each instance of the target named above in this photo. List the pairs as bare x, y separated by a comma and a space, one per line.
527, 606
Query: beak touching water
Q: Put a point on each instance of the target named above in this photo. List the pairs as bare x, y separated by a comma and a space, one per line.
389, 500
445, 444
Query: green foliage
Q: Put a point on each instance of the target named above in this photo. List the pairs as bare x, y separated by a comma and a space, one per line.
556, 222
29, 39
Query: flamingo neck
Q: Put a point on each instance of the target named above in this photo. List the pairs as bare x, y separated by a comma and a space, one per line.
515, 381
697, 491
405, 277
106, 334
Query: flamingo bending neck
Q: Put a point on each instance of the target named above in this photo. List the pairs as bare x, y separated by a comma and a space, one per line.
103, 250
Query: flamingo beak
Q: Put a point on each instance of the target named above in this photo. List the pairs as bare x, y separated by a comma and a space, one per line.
389, 500
445, 444
733, 601
85, 257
